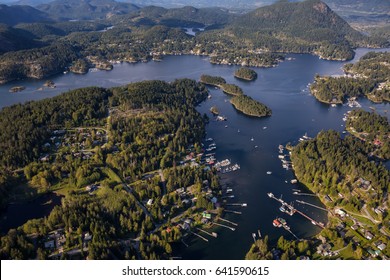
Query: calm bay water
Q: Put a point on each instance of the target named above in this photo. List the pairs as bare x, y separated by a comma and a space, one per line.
295, 112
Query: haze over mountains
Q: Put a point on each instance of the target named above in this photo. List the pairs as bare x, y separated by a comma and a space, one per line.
381, 6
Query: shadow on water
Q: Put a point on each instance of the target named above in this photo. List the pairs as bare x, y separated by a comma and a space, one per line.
16, 214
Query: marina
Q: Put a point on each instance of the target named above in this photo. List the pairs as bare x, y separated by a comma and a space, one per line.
289, 209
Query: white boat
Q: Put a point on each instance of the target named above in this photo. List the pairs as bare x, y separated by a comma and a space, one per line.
269, 172
252, 139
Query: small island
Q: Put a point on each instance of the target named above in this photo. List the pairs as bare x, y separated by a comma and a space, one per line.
250, 107
17, 89
245, 73
212, 80
214, 110
231, 89
221, 83
49, 84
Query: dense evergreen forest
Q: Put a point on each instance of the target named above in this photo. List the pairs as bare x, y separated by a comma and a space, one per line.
212, 80
329, 165
245, 73
371, 128
249, 106
232, 89
368, 77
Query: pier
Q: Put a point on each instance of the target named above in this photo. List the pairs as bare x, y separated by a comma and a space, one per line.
225, 226
213, 234
234, 212
312, 205
200, 236
292, 210
236, 204
227, 221
289, 230
307, 194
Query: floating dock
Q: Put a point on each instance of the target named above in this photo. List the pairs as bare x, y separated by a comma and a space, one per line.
292, 210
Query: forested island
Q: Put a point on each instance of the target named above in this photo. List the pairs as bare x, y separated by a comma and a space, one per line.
122, 158
212, 80
253, 39
245, 73
232, 89
368, 77
250, 107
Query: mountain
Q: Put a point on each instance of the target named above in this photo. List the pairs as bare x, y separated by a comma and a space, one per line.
32, 3
238, 4
12, 15
309, 26
368, 6
13, 39
85, 9
178, 17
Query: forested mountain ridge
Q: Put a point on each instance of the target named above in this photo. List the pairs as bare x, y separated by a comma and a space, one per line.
177, 17
85, 9
309, 26
15, 39
12, 15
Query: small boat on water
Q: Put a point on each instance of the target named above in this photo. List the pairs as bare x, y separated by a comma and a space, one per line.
252, 139
269, 172
276, 223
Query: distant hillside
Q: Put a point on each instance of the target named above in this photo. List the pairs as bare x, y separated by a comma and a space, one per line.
85, 9
178, 17
371, 6
309, 26
12, 15
32, 3
12, 39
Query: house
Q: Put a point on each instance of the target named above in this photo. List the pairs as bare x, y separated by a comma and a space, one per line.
91, 188
377, 142
150, 202
340, 212
87, 237
368, 235
206, 215
355, 227
371, 252
45, 158
381, 246
327, 198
